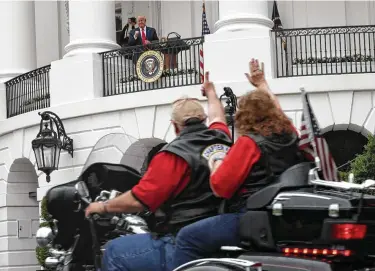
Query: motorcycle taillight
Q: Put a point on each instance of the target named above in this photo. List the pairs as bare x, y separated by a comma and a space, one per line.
316, 252
348, 231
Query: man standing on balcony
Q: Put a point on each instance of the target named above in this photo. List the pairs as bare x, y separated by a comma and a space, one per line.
142, 35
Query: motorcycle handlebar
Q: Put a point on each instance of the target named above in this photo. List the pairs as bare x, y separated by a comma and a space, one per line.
95, 217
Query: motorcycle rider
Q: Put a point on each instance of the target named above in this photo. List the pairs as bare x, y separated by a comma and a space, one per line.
267, 146
175, 187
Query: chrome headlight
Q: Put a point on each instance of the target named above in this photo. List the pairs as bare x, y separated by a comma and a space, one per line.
44, 236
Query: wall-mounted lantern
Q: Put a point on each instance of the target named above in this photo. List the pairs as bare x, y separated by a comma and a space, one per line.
48, 143
230, 108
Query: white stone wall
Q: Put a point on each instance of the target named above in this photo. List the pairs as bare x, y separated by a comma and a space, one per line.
304, 13
141, 115
339, 101
184, 17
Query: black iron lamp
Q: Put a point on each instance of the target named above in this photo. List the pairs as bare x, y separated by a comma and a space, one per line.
230, 108
48, 143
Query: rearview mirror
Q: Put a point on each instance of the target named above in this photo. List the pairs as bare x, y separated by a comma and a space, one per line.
82, 190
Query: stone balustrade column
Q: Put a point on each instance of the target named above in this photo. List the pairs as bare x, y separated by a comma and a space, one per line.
242, 15
17, 46
92, 27
241, 33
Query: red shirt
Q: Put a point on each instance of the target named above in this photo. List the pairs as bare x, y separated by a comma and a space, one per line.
238, 162
230, 175
165, 176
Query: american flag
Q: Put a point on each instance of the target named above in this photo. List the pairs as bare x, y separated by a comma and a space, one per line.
205, 31
277, 24
312, 141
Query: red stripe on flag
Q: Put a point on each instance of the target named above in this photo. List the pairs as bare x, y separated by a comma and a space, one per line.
201, 64
327, 162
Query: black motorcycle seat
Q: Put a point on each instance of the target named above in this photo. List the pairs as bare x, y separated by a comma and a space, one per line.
294, 177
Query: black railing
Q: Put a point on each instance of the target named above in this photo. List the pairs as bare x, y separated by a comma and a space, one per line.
325, 50
181, 66
28, 92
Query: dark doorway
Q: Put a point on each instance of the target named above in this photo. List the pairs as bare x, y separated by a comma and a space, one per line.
344, 146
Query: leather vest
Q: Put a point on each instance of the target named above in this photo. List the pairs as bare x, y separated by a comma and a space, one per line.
278, 153
196, 201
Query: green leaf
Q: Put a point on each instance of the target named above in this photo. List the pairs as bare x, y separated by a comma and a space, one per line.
363, 166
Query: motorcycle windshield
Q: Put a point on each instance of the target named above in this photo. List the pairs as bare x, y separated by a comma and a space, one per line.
124, 149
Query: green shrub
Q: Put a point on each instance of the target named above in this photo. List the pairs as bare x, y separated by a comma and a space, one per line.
343, 176
42, 252
363, 166
43, 210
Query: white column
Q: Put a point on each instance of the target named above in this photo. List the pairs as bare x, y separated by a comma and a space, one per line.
240, 15
92, 27
17, 46
241, 33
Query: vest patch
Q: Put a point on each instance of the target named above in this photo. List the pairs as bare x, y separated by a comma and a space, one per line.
213, 152
213, 149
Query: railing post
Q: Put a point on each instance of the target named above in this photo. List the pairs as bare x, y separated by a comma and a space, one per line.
325, 50
180, 59
3, 103
27, 92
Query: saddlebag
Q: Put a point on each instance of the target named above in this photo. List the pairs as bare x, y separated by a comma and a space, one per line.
255, 231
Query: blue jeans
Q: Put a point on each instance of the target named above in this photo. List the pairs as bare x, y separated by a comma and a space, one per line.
205, 237
139, 252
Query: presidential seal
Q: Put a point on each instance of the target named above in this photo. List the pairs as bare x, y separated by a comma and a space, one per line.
214, 152
150, 66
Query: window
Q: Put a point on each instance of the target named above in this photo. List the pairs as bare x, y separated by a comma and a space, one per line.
118, 18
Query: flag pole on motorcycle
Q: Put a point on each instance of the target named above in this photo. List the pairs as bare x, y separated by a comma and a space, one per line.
307, 118
313, 143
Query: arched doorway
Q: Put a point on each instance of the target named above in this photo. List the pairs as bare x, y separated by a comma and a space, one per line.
120, 148
344, 146
22, 215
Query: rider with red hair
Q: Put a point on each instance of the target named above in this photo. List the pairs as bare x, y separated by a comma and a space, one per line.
266, 147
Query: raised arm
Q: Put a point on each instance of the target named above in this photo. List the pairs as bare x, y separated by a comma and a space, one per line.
257, 79
215, 108
132, 35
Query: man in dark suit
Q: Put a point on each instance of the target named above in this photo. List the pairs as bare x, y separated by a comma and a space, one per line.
142, 34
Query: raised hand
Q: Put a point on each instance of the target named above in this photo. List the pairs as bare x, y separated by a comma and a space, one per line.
256, 76
207, 85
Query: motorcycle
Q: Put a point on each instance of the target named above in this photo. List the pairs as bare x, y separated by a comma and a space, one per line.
299, 223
